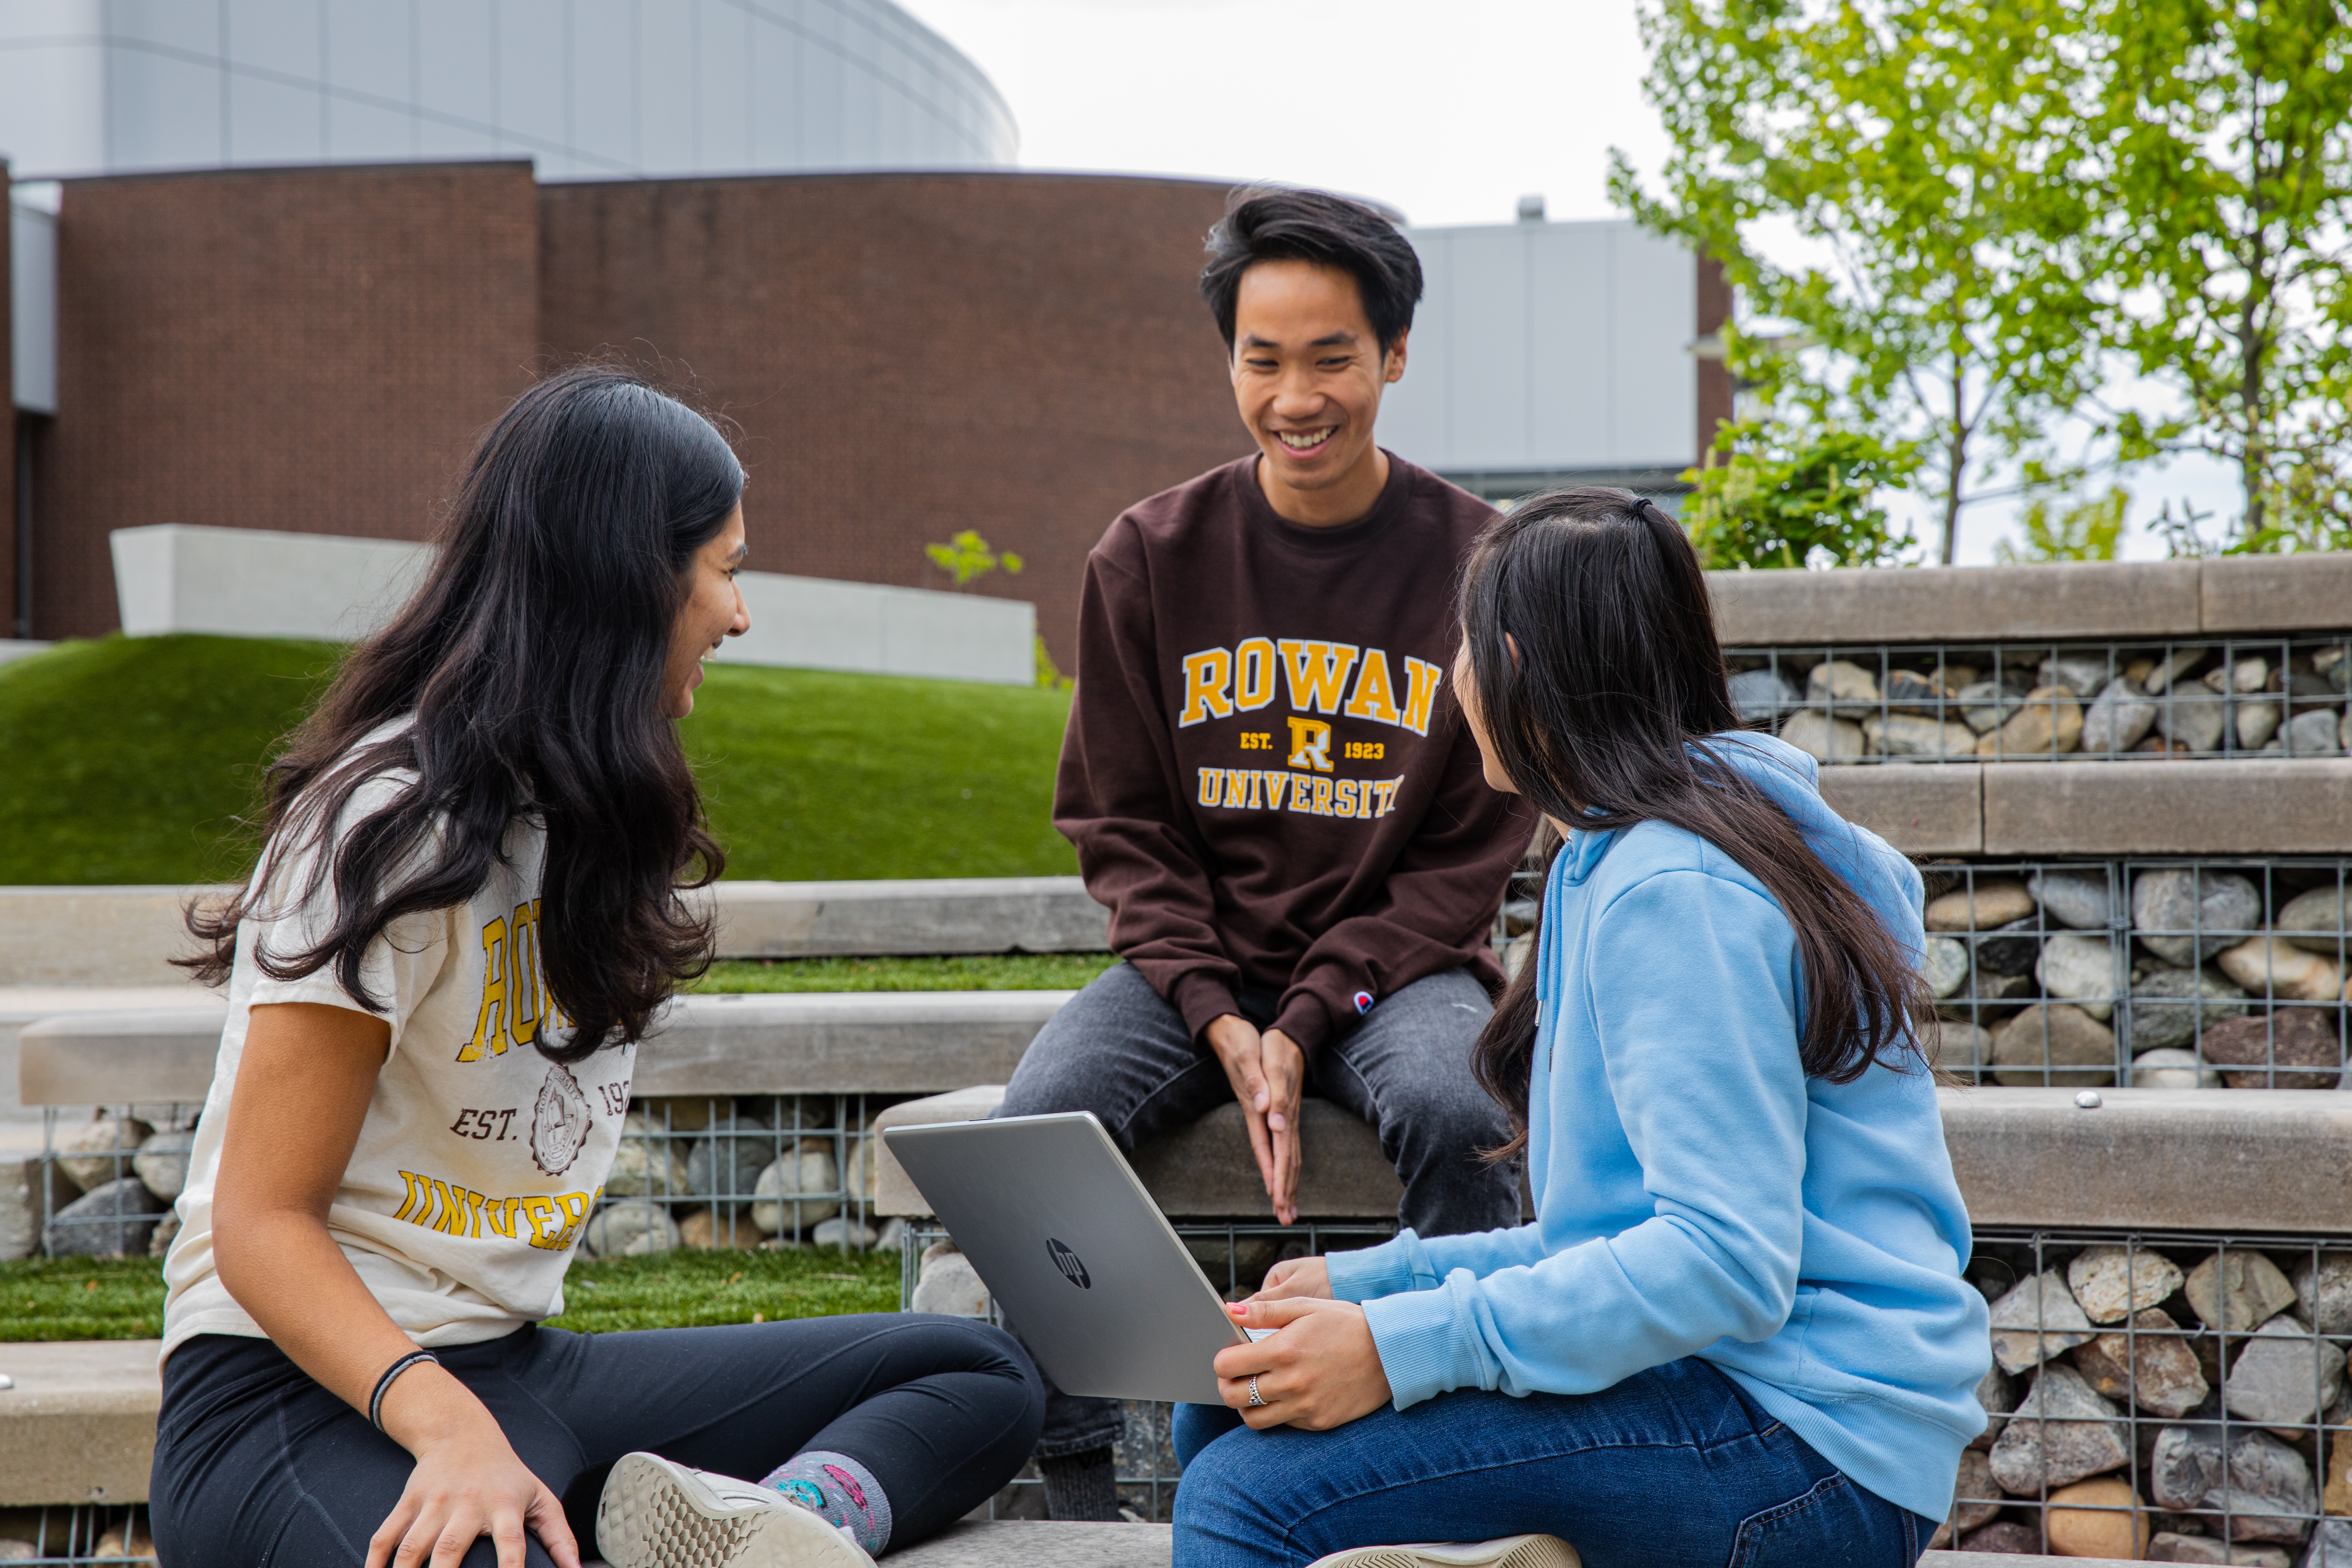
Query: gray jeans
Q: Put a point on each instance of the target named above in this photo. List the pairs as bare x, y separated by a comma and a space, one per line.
1120, 1050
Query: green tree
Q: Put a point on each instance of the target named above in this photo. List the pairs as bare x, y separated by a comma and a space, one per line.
2084, 531
1774, 493
1908, 145
967, 556
2218, 159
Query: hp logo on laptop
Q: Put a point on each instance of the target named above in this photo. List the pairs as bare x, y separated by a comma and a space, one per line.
1068, 1262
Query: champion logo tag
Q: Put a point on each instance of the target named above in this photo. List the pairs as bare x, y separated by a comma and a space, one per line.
1068, 1262
1363, 1003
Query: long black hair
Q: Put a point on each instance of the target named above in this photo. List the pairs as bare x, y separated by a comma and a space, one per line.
531, 657
1595, 665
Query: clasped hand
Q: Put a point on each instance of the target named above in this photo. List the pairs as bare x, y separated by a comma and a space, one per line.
1318, 1370
1267, 1072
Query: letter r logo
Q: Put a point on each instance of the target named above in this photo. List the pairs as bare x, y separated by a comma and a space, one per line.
1310, 744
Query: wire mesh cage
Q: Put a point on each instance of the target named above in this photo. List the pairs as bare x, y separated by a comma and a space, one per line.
2173, 1396
702, 1171
1235, 1255
741, 1172
2154, 973
85, 1533
2059, 702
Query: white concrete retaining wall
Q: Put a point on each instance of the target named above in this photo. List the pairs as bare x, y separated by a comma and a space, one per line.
250, 582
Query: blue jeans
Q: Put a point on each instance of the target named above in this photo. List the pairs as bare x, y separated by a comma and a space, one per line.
1672, 1466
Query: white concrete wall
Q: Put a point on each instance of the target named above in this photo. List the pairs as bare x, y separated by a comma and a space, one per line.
257, 583
1549, 347
587, 88
816, 623
246, 582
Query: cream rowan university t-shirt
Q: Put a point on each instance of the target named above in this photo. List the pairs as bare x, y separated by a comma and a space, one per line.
479, 1160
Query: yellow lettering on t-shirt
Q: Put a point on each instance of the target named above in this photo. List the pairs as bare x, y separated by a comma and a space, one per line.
523, 1011
1375, 694
1423, 692
545, 1218
491, 1024
1206, 676
1211, 781
1302, 795
500, 1213
1254, 669
1237, 788
1343, 799
408, 1203
1386, 790
1322, 797
1275, 785
1317, 672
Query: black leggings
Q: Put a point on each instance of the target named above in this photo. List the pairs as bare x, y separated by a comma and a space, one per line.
258, 1467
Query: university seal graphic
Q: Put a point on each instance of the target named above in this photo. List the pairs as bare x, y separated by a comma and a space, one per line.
559, 1122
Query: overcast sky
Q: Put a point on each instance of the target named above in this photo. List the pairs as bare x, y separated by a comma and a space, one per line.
1447, 110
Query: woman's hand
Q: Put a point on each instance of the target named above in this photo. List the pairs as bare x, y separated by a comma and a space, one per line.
1294, 1278
467, 1483
1320, 1370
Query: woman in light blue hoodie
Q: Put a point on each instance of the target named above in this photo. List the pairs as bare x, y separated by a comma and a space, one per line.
1736, 1332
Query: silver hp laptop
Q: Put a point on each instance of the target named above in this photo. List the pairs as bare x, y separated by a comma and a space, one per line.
1075, 1252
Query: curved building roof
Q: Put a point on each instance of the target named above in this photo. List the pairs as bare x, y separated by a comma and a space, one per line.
587, 88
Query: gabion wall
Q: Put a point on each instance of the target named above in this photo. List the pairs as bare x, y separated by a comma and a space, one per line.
82, 1535
2175, 1398
746, 1171
2148, 974
1887, 703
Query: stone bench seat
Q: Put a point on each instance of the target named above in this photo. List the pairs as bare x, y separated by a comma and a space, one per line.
2266, 1160
126, 935
903, 1042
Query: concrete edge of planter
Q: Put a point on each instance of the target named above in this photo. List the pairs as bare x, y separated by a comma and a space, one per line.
127, 935
2131, 600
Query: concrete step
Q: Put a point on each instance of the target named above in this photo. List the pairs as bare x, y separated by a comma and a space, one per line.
903, 1042
2138, 601
2267, 1160
78, 1426
22, 1005
127, 935
2092, 807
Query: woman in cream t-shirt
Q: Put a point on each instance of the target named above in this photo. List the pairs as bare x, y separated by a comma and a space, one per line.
465, 917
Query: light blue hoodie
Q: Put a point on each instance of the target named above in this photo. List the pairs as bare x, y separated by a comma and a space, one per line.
1695, 1193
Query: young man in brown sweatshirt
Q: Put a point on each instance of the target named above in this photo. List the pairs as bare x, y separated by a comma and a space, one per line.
1268, 782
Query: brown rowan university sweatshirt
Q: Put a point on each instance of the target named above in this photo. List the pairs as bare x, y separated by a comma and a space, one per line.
1266, 776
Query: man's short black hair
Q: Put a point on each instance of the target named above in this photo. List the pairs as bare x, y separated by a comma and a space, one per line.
1278, 224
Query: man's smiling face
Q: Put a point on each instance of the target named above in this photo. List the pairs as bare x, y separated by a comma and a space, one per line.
1307, 375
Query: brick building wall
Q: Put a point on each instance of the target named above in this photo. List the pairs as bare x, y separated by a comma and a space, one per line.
302, 349
909, 355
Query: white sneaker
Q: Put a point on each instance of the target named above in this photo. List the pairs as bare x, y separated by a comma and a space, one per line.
1506, 1552
655, 1514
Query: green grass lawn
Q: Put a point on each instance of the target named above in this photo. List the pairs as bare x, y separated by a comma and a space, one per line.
129, 760
88, 1299
983, 971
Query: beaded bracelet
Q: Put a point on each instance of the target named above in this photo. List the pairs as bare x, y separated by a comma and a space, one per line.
375, 1400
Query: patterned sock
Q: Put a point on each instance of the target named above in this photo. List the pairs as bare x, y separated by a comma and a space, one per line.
839, 1491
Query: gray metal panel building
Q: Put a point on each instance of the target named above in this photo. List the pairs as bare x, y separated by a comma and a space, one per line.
588, 89
1546, 353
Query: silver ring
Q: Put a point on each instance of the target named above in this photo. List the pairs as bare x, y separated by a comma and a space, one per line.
1256, 1398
